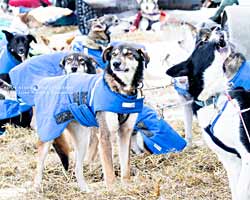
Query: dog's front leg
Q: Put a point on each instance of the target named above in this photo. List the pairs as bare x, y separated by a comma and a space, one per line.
43, 149
124, 139
105, 148
244, 179
188, 119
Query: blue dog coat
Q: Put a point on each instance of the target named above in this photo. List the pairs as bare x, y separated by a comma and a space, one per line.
80, 95
12, 108
7, 61
78, 46
26, 76
242, 77
158, 136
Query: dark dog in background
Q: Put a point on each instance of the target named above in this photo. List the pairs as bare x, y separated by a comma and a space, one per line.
15, 52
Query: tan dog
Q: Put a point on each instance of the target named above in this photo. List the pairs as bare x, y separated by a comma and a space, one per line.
122, 76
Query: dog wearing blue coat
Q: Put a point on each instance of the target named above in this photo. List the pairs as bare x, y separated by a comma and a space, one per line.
115, 113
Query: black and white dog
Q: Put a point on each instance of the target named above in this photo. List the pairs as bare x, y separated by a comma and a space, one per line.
15, 52
223, 116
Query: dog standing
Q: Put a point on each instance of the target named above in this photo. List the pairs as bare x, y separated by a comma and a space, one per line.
221, 113
122, 77
15, 52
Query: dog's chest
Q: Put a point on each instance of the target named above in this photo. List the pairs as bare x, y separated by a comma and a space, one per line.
225, 123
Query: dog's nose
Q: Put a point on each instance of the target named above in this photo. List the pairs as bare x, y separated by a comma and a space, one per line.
117, 64
21, 50
74, 69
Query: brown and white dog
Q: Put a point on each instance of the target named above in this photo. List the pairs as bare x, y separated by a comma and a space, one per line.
123, 75
78, 62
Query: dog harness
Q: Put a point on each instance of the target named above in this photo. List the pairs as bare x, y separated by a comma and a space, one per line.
26, 77
158, 136
241, 79
77, 97
7, 61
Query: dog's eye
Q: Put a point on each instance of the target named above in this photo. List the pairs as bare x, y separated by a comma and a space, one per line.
54, 49
82, 61
69, 59
114, 53
129, 55
62, 48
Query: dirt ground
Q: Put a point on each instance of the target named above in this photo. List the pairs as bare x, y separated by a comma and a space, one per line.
192, 174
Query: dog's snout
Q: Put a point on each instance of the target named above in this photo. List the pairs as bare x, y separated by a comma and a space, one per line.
117, 64
74, 69
21, 50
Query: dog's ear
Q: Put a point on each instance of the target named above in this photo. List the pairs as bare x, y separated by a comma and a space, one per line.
106, 55
45, 40
8, 35
69, 40
144, 56
62, 63
31, 38
178, 70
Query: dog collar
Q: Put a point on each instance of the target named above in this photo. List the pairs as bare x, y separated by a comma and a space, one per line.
211, 100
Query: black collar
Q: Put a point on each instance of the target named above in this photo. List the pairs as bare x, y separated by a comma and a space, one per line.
211, 100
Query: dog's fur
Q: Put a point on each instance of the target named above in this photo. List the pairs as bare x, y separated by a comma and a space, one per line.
18, 45
207, 79
123, 75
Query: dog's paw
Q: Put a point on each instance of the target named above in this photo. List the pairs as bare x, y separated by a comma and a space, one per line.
85, 188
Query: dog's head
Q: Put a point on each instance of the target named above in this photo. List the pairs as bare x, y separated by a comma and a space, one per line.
126, 62
99, 29
148, 6
204, 68
19, 44
78, 62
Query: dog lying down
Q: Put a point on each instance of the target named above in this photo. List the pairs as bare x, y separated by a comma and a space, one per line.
120, 81
218, 84
15, 52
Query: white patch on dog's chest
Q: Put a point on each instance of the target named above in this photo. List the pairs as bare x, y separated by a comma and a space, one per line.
227, 127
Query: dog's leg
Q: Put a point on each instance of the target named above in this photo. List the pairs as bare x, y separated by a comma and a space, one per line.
124, 139
244, 178
80, 139
43, 149
105, 147
92, 147
33, 120
232, 165
188, 119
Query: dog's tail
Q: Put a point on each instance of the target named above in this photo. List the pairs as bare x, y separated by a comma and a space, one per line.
62, 148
